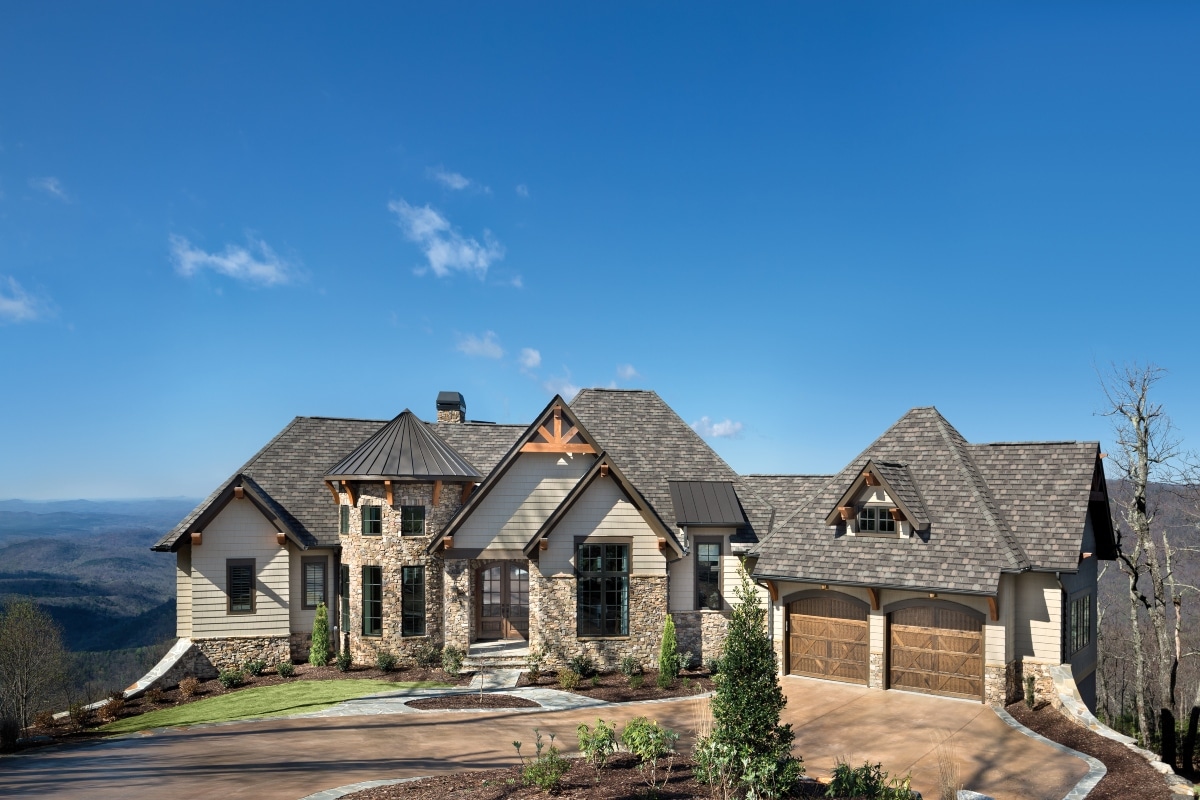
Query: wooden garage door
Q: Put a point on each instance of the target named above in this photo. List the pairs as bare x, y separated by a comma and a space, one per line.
827, 638
937, 650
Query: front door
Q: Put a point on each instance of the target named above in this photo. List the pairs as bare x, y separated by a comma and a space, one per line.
503, 601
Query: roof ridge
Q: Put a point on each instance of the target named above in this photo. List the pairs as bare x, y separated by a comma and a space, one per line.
981, 491
1015, 443
786, 475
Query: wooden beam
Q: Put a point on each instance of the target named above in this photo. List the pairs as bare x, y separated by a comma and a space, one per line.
995, 612
349, 490
873, 593
557, 424
337, 498
547, 435
281, 538
197, 538
467, 487
239, 492
554, 447
387, 488
437, 492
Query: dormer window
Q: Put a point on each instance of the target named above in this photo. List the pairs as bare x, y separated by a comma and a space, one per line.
876, 519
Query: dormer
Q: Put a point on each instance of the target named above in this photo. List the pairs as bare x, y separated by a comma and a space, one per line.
882, 500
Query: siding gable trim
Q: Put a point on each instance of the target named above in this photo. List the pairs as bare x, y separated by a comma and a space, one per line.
247, 488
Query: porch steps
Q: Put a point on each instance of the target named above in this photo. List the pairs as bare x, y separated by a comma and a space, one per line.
496, 655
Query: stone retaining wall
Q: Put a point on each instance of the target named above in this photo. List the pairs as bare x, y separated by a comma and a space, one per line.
234, 651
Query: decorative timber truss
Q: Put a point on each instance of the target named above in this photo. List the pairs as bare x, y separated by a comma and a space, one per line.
556, 440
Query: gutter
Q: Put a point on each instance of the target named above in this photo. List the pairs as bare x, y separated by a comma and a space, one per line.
897, 587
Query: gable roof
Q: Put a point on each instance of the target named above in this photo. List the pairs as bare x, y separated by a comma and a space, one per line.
966, 548
404, 449
603, 467
897, 481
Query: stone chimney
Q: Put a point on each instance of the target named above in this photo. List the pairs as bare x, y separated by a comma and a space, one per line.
451, 407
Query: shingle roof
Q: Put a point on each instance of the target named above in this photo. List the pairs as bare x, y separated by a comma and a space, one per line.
404, 449
966, 548
786, 493
483, 444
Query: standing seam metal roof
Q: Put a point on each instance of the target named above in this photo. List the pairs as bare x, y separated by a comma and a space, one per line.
404, 449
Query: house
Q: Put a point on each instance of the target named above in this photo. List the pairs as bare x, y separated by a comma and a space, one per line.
927, 563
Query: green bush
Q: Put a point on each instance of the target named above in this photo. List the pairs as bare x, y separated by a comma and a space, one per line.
1030, 691
452, 660
344, 660
255, 666
630, 666
584, 665
687, 660
80, 715
286, 669
533, 662
664, 680
428, 655
717, 764
652, 744
668, 655
636, 681
231, 677
385, 661
599, 744
713, 665
869, 780
10, 731
318, 651
544, 770
568, 679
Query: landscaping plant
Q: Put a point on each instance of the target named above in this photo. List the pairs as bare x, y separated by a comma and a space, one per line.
544, 770
111, 710
286, 669
255, 666
385, 661
318, 651
344, 660
1030, 691
156, 696
668, 655
231, 677
428, 655
869, 781
10, 731
568, 679
584, 665
45, 720
452, 659
80, 715
599, 744
652, 744
630, 666
189, 687
533, 662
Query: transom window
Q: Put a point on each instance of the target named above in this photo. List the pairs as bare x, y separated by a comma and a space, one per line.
314, 582
412, 520
372, 601
239, 577
876, 519
412, 601
602, 599
708, 575
372, 521
1080, 628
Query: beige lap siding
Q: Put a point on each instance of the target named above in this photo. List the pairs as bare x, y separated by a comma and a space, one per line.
302, 618
603, 512
1039, 617
683, 584
183, 591
518, 505
239, 531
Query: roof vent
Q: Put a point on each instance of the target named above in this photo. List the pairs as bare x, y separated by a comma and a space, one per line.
451, 407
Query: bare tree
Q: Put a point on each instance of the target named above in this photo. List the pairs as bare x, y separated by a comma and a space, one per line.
32, 660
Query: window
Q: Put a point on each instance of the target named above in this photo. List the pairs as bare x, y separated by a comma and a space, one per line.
372, 521
602, 594
412, 520
412, 601
239, 582
708, 575
344, 520
372, 601
1080, 626
344, 591
876, 519
314, 582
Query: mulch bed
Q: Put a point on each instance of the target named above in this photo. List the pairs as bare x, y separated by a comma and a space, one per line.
1129, 775
473, 700
619, 779
614, 687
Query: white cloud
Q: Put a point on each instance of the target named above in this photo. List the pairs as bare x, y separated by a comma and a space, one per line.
17, 305
717, 430
626, 372
257, 263
451, 180
487, 346
529, 358
522, 190
51, 186
561, 386
445, 248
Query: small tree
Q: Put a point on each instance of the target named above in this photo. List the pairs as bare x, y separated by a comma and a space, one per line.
668, 654
318, 652
32, 660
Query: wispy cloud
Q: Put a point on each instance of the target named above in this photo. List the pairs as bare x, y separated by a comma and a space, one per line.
257, 263
486, 346
717, 430
51, 186
444, 247
522, 190
451, 180
562, 386
529, 358
626, 372
16, 304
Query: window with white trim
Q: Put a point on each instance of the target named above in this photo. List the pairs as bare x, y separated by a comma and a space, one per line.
876, 519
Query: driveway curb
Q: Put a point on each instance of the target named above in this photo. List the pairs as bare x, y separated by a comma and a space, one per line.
1096, 770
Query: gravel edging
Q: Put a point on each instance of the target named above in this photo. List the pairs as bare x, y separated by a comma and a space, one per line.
1096, 769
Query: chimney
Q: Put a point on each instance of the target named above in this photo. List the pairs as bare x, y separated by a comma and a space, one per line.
451, 407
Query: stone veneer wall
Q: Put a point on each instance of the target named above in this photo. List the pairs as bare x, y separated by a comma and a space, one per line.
552, 622
391, 551
701, 632
459, 591
231, 652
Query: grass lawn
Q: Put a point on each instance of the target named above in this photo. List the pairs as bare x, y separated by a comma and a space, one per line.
262, 701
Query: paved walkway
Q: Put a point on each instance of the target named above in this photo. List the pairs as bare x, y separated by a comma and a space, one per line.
286, 759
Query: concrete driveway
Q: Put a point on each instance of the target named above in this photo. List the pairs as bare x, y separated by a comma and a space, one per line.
288, 759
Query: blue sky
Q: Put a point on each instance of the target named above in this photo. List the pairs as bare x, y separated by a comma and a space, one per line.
793, 221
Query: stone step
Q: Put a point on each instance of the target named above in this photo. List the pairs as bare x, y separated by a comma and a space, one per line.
499, 663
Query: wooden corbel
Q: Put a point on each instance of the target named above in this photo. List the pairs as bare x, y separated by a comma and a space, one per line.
281, 538
467, 487
897, 514
239, 492
662, 543
1084, 556
871, 479
873, 593
448, 542
437, 492
337, 498
993, 610
772, 590
604, 470
847, 512
197, 538
387, 488
544, 544
349, 490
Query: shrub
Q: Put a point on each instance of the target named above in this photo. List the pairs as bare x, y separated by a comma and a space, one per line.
286, 669
44, 720
583, 665
544, 770
651, 743
452, 660
1030, 691
595, 681
231, 677
717, 764
636, 681
156, 696
255, 667
189, 687
80, 715
112, 709
597, 745
344, 660
664, 680
668, 655
428, 655
869, 780
713, 665
385, 661
568, 679
630, 666
687, 660
533, 662
318, 650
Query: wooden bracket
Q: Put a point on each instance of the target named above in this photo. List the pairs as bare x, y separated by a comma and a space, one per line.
544, 544
1084, 556
873, 593
897, 514
467, 487
349, 490
239, 492
772, 590
995, 612
448, 542
871, 479
197, 538
604, 470
847, 512
387, 488
337, 498
281, 538
662, 543
437, 492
